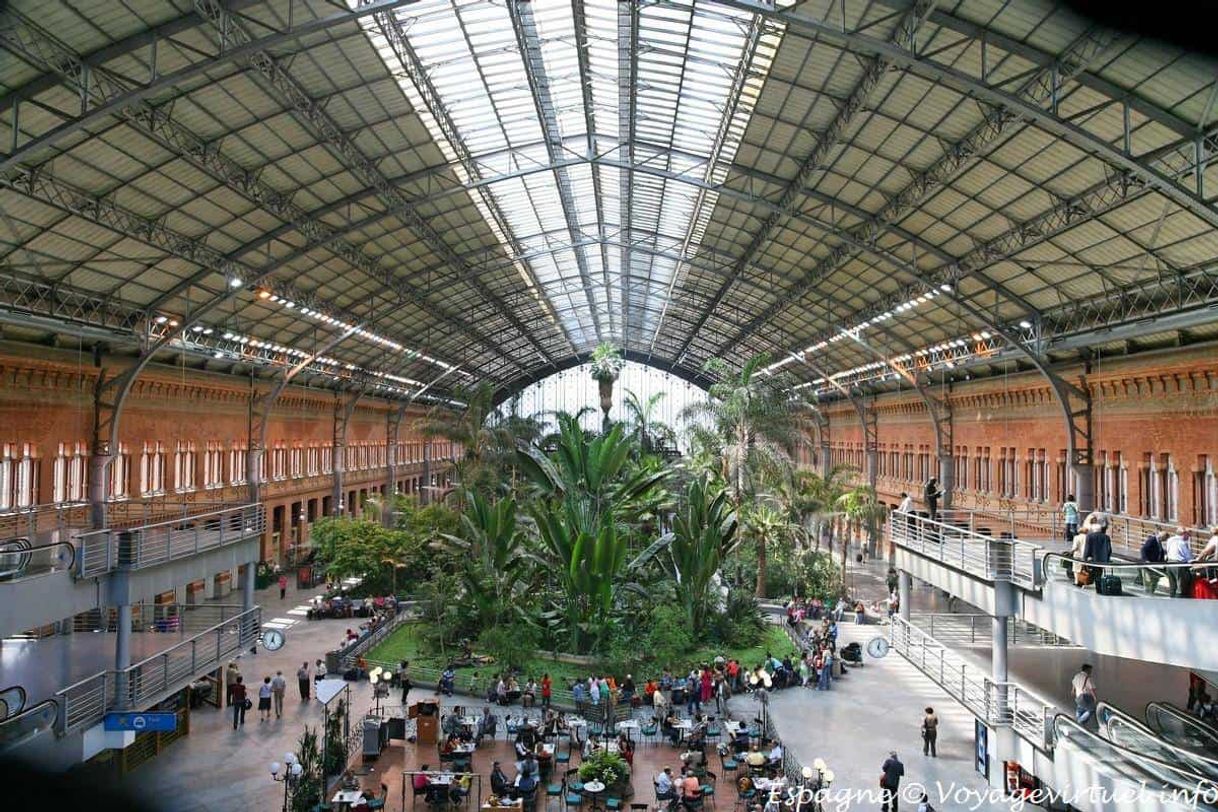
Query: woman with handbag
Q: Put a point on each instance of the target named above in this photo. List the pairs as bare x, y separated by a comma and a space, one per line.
240, 702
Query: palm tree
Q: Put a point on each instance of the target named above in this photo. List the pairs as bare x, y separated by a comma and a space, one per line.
860, 507
748, 418
766, 525
652, 434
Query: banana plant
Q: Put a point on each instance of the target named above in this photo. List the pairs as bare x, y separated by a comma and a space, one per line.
704, 534
491, 546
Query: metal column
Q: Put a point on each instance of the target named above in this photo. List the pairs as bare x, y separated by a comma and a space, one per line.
122, 654
904, 584
247, 586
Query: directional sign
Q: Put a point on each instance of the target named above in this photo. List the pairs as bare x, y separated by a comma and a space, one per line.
142, 722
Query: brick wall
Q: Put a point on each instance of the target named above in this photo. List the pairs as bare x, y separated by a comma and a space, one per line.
1155, 425
46, 400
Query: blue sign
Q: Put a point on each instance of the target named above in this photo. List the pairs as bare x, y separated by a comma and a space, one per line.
142, 722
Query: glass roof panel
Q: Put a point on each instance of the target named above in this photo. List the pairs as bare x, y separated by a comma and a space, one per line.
506, 89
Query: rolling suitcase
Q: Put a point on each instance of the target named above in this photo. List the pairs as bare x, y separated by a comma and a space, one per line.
1108, 585
1204, 589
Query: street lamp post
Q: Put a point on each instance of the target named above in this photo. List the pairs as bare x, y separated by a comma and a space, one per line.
816, 782
287, 774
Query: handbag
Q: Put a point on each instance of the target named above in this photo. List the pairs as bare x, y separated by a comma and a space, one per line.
1083, 576
248, 703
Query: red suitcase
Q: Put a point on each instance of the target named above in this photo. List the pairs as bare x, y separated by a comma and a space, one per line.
1204, 589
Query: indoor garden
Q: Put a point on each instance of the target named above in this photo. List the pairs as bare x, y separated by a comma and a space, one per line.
570, 544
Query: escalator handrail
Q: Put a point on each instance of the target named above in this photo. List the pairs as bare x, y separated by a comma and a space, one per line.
1138, 761
1209, 764
1188, 719
28, 550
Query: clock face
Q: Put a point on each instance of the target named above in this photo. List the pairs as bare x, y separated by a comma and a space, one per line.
272, 639
878, 647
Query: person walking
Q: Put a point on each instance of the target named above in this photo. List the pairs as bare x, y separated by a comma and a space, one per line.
1083, 688
931, 494
302, 680
319, 671
279, 687
890, 782
232, 675
283, 586
238, 700
930, 733
826, 670
265, 692
1070, 517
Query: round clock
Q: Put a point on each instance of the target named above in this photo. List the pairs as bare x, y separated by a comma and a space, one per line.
272, 639
878, 647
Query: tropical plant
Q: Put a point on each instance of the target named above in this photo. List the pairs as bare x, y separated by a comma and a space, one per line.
489, 547
703, 536
334, 745
649, 431
476, 430
765, 525
607, 362
308, 790
747, 422
349, 547
861, 508
608, 768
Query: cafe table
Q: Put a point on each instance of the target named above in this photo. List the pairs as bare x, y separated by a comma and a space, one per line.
593, 789
629, 727
345, 798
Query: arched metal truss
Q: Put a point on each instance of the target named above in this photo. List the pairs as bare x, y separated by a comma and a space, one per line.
815, 171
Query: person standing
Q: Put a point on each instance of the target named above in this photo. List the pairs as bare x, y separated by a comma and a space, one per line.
302, 680
906, 505
547, 691
237, 698
1098, 548
826, 670
279, 686
319, 671
931, 494
890, 781
404, 680
930, 733
1070, 517
265, 692
1083, 688
1178, 550
283, 586
1152, 553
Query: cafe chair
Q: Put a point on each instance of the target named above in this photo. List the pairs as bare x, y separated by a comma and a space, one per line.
379, 801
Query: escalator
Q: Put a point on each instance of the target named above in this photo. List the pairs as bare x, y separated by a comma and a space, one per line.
1097, 774
18, 723
1182, 729
1121, 728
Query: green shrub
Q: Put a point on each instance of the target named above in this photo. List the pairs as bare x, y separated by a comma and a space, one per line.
511, 644
608, 768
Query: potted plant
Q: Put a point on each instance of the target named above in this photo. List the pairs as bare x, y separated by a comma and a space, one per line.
608, 768
607, 362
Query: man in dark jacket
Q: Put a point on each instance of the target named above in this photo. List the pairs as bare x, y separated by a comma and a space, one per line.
890, 781
1152, 553
931, 494
1098, 547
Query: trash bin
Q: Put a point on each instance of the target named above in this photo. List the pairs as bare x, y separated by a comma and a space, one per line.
373, 738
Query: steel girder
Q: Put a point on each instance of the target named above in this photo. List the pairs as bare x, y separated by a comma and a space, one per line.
525, 29
344, 408
109, 96
260, 413
906, 31
232, 33
628, 72
1039, 107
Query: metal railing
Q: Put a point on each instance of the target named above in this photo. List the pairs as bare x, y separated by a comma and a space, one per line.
975, 629
149, 681
1137, 578
39, 522
365, 644
171, 617
999, 704
21, 559
955, 543
148, 545
1127, 532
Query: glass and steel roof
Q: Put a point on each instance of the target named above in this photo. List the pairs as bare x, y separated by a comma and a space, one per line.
423, 192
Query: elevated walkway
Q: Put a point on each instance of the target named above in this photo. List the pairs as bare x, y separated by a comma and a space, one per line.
59, 579
1026, 578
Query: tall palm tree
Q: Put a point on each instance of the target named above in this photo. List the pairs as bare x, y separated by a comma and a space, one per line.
652, 434
765, 525
748, 418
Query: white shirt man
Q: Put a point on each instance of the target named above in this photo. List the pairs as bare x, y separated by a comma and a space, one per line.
1083, 689
664, 786
1210, 550
906, 505
776, 754
1177, 549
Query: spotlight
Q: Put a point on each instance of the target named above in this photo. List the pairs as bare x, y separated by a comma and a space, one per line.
263, 293
235, 282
